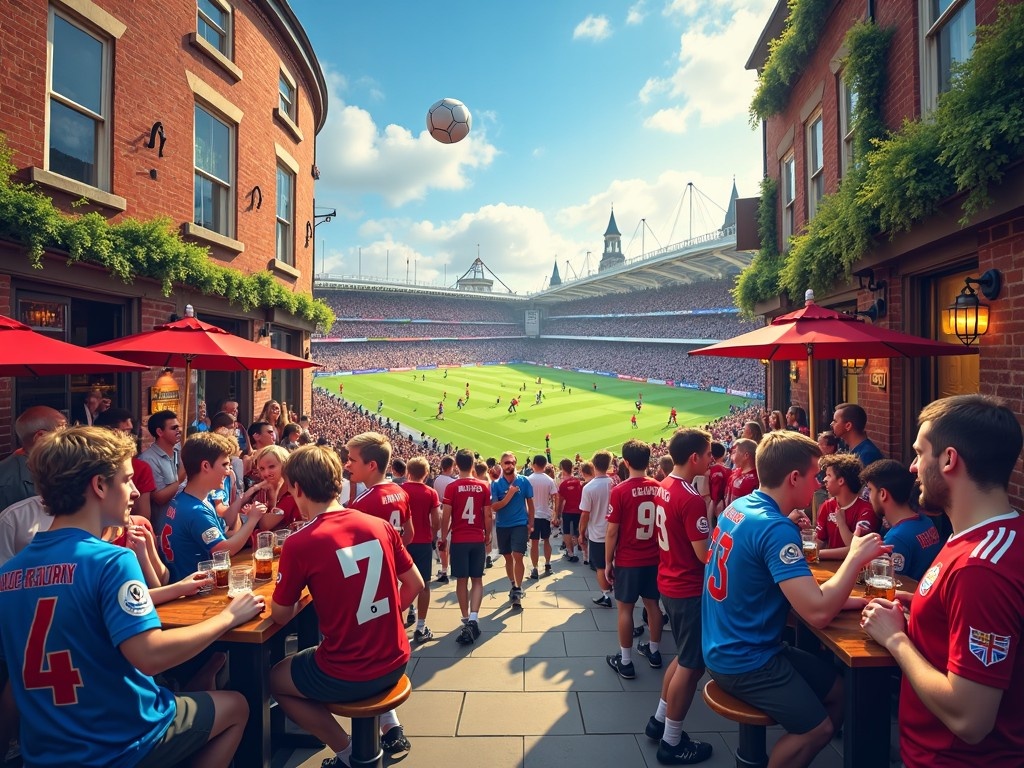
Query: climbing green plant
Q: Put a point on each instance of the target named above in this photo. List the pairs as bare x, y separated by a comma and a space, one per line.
132, 248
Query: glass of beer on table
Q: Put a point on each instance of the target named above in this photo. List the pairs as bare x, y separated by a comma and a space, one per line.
279, 536
239, 580
881, 581
263, 556
205, 567
810, 544
221, 564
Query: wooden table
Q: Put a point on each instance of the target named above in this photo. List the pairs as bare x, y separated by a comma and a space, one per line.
254, 647
867, 668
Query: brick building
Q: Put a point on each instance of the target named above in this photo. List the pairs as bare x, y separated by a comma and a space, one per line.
918, 273
202, 112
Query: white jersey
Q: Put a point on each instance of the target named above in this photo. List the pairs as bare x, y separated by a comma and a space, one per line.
596, 495
543, 489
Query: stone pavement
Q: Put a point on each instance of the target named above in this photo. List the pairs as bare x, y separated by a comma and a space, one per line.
534, 690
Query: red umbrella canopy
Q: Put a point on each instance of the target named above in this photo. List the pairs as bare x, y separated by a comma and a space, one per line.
191, 343
825, 334
27, 353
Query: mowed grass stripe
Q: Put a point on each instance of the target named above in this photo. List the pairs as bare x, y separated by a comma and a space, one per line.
581, 422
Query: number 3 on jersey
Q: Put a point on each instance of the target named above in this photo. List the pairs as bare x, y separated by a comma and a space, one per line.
52, 670
373, 554
718, 557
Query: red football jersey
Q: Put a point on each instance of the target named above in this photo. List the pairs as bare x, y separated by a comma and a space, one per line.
468, 498
740, 484
967, 618
682, 520
142, 476
718, 479
351, 563
422, 501
634, 506
386, 501
826, 530
570, 491
291, 515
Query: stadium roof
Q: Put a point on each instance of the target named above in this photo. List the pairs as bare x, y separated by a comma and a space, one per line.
709, 257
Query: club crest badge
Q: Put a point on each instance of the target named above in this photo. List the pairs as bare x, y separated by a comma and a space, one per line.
987, 647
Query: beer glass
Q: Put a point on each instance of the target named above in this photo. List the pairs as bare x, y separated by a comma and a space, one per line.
221, 563
263, 555
205, 567
239, 580
810, 544
881, 580
279, 537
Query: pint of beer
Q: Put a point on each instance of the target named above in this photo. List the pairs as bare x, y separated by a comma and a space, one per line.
810, 544
263, 559
220, 575
881, 581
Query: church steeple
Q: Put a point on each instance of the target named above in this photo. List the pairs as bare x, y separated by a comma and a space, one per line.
730, 214
612, 256
556, 279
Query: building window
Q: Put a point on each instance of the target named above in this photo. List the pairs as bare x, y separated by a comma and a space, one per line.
815, 166
214, 160
78, 124
788, 199
949, 38
847, 106
285, 215
287, 101
213, 24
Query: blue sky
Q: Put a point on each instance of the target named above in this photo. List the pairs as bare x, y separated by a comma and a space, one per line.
577, 105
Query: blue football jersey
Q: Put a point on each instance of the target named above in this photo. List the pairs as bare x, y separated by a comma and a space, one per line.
915, 543
68, 601
753, 549
192, 528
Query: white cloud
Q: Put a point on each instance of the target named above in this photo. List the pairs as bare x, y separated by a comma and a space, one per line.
593, 28
652, 88
356, 156
636, 13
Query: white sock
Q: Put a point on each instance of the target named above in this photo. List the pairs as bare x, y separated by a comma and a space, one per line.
388, 721
673, 732
607, 593
655, 646
473, 616
659, 715
420, 624
465, 620
627, 656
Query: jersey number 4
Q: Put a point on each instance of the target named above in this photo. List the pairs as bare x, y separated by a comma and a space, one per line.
52, 670
373, 554
718, 556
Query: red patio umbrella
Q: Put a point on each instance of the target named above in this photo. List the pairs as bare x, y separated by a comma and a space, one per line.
27, 353
814, 332
193, 344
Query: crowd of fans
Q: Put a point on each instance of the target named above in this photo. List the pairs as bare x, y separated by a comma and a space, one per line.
708, 294
397, 330
663, 327
349, 305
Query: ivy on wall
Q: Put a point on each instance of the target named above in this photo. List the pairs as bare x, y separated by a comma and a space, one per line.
975, 133
132, 248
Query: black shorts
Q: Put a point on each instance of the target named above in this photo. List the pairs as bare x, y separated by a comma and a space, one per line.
684, 618
541, 529
790, 688
316, 685
423, 557
634, 583
512, 539
188, 732
595, 553
571, 523
467, 560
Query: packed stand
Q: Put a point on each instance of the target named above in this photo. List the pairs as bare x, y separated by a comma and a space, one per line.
366, 329
709, 294
707, 327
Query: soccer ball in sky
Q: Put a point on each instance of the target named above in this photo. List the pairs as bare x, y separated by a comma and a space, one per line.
449, 121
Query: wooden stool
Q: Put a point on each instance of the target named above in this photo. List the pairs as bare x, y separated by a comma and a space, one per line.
751, 752
365, 714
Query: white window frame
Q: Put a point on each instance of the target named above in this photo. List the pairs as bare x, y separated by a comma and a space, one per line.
847, 105
103, 149
229, 184
288, 96
932, 25
815, 134
226, 31
787, 184
284, 231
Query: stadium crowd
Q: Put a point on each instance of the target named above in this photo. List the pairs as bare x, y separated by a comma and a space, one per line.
707, 327
364, 304
402, 330
708, 294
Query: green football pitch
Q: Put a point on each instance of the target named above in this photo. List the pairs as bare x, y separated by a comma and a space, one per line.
579, 418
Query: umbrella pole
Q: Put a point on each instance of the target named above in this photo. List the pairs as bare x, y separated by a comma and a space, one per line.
810, 392
188, 378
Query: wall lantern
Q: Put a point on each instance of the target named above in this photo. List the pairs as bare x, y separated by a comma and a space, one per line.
968, 318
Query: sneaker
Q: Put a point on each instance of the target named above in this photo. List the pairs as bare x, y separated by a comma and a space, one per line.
519, 593
547, 567
465, 637
513, 593
686, 752
586, 562
410, 617
653, 657
626, 671
394, 741
655, 729
488, 563
422, 635
574, 559
604, 601
334, 762
637, 631
442, 578
534, 574
474, 628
